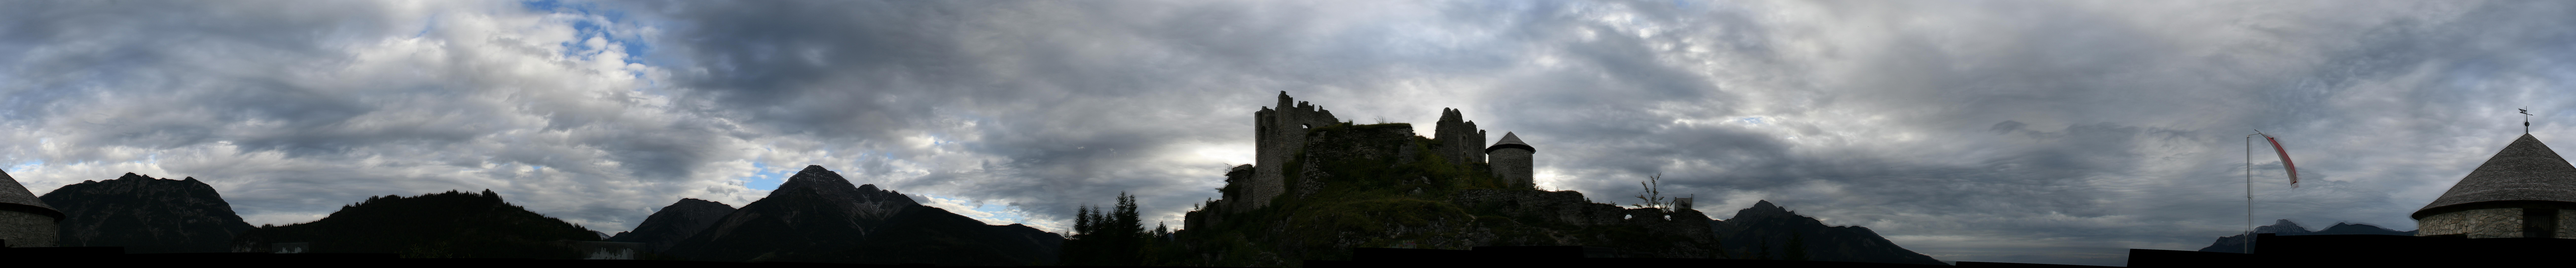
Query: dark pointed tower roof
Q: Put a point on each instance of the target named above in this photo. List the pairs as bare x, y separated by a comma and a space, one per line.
14, 197
1510, 141
2524, 174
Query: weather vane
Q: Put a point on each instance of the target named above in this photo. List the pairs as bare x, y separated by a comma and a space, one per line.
2526, 119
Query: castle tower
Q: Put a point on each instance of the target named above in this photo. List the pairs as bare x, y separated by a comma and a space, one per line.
25, 221
1511, 161
1277, 135
1461, 142
2526, 190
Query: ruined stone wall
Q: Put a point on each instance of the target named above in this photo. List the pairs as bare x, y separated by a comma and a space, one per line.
2479, 223
23, 229
1460, 142
1563, 207
1279, 133
1512, 165
1387, 144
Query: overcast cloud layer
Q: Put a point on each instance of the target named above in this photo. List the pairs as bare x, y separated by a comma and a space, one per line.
1997, 131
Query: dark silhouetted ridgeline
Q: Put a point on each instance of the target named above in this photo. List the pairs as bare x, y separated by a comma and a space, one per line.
441, 225
146, 215
673, 223
1770, 232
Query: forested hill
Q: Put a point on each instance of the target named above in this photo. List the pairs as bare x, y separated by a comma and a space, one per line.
440, 225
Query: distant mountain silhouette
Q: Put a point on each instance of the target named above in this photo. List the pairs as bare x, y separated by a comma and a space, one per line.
440, 225
816, 216
674, 223
146, 215
1768, 231
2236, 243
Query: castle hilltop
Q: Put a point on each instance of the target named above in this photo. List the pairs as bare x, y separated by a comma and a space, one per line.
1320, 186
1322, 190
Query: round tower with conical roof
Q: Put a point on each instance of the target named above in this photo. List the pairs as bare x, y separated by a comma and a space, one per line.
1511, 161
25, 221
2526, 190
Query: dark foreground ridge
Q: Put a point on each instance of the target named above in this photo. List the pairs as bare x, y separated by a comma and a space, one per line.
1770, 232
441, 225
2364, 250
146, 215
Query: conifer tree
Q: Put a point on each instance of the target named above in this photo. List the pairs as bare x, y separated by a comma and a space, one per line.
1081, 220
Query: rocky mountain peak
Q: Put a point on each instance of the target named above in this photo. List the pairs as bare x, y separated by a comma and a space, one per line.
814, 177
1764, 209
2282, 227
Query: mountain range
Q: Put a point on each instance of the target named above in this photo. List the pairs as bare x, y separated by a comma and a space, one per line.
816, 216
819, 216
2236, 243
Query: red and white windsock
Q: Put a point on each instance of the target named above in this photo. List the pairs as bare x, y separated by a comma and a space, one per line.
2293, 169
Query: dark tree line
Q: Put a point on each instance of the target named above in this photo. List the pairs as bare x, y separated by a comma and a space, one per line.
1112, 237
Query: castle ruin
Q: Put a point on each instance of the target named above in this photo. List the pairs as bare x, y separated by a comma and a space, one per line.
1280, 134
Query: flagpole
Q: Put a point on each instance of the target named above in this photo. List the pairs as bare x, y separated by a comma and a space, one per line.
2249, 192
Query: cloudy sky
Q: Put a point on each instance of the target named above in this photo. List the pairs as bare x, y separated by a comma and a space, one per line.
2000, 131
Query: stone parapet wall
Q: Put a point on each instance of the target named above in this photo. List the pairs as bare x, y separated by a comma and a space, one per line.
23, 229
2480, 223
2566, 224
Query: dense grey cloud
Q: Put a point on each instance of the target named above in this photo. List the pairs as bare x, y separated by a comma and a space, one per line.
2052, 132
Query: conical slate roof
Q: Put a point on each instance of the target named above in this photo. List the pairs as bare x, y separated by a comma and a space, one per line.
1510, 141
2523, 172
14, 197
